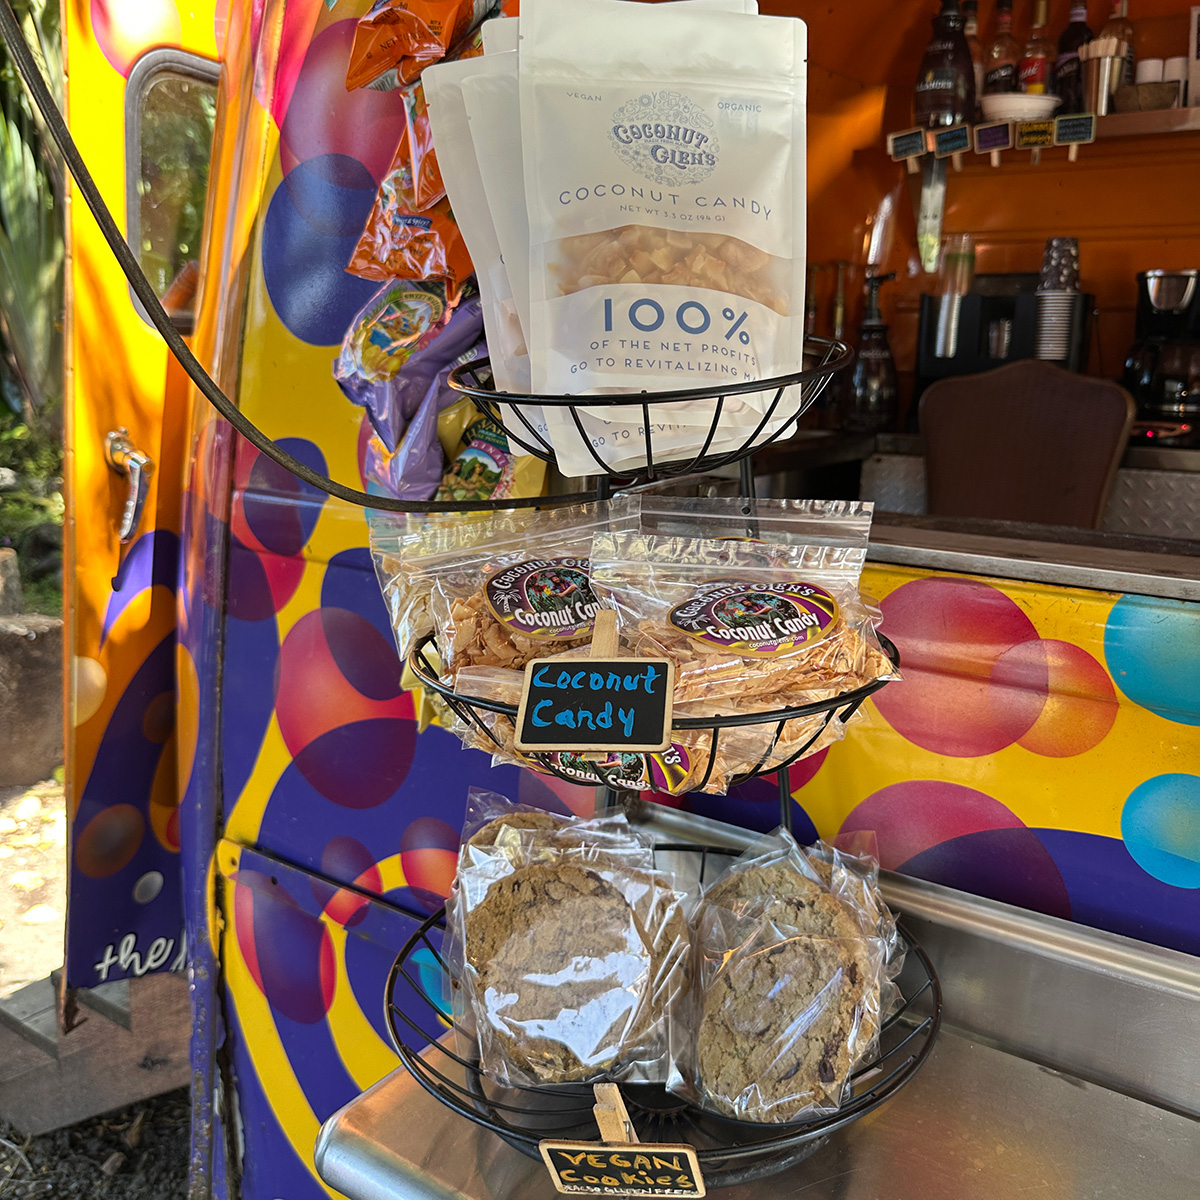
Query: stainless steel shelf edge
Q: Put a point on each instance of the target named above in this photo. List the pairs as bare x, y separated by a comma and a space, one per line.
1172, 578
1155, 967
349, 1158
1106, 1008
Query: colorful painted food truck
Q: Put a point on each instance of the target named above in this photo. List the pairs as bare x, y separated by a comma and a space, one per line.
255, 799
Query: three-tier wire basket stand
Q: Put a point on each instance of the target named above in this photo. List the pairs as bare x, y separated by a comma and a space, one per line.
418, 1006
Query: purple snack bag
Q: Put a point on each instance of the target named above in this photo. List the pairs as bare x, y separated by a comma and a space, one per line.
397, 346
414, 470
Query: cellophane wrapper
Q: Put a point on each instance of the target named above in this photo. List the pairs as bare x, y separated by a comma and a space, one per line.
522, 594
574, 952
772, 623
791, 985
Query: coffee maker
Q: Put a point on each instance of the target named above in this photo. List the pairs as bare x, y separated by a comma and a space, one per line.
1162, 369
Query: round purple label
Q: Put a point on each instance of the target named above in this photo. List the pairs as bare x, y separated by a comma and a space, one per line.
758, 618
544, 597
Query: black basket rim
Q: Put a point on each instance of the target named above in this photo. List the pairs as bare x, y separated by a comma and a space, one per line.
423, 669
461, 377
789, 1136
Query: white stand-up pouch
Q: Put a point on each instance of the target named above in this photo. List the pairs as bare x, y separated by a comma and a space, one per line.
664, 159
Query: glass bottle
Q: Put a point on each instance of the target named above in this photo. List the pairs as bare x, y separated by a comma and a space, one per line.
1037, 60
945, 92
971, 33
1003, 55
1119, 26
869, 404
1068, 67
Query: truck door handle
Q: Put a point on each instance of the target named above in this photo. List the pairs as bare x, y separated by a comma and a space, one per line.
137, 467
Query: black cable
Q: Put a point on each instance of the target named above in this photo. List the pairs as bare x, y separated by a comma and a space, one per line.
10, 29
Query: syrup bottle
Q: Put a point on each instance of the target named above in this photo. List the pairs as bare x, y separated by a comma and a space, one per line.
945, 92
870, 403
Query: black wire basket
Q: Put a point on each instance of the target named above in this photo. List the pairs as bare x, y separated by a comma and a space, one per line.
731, 1152
622, 770
787, 398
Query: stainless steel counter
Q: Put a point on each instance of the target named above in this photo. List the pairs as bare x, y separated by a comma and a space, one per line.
1082, 564
978, 1122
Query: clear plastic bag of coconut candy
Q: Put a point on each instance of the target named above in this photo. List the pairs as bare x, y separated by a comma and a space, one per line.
574, 952
746, 617
407, 548
523, 594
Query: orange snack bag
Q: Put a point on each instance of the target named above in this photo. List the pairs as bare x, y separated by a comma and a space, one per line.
420, 187
398, 244
408, 35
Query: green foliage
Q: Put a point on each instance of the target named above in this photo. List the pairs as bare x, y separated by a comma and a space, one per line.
31, 514
31, 307
31, 232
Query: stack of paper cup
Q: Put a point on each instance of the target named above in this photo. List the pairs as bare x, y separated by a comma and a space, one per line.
1058, 287
1149, 70
1176, 70
1054, 313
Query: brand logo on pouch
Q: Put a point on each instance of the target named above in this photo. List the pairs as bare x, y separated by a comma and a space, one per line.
765, 618
665, 138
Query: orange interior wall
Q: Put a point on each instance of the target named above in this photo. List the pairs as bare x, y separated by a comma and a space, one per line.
1133, 204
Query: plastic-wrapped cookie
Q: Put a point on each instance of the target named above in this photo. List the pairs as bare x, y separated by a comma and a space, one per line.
778, 1024
790, 994
560, 974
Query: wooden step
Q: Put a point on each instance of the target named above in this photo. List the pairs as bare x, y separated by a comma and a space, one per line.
49, 1079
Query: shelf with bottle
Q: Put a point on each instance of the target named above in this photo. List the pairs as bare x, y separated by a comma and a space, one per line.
1072, 131
1033, 94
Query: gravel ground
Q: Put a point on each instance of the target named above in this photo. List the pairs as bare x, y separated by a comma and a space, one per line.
139, 1153
33, 859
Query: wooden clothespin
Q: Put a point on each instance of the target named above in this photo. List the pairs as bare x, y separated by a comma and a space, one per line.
612, 1116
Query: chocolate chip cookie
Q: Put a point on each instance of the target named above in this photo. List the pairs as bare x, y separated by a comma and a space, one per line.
784, 1016
776, 1027
562, 973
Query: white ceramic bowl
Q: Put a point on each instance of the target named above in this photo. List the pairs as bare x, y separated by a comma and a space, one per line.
1018, 106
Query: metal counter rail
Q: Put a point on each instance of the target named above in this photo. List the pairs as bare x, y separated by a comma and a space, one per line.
1103, 568
979, 1121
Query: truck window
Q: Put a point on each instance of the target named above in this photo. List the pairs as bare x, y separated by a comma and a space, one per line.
170, 110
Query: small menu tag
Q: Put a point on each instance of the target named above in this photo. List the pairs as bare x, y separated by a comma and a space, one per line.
951, 141
1079, 130
598, 703
621, 1165
1034, 135
995, 137
634, 1169
910, 143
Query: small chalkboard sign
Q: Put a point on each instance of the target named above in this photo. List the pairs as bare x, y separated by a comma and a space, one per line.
620, 1165
991, 139
597, 703
909, 144
634, 1169
1075, 131
1034, 135
951, 141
